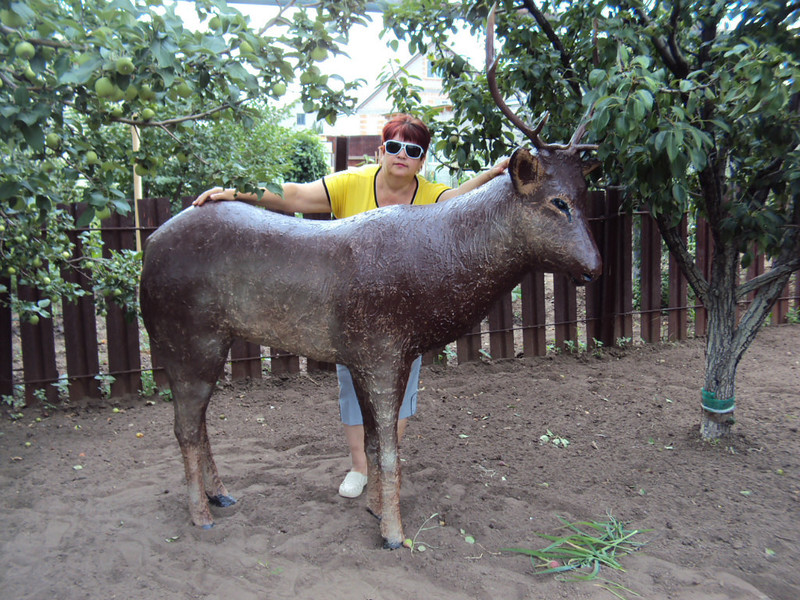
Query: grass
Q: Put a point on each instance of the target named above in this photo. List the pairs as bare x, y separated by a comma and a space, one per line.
590, 545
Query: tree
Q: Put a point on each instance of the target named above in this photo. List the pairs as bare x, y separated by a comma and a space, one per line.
76, 75
258, 148
696, 106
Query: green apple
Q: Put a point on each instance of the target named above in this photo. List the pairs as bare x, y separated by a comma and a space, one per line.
147, 93
184, 90
25, 50
12, 19
125, 66
279, 89
104, 87
319, 53
148, 113
52, 140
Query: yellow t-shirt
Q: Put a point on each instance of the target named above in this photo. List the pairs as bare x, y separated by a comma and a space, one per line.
352, 192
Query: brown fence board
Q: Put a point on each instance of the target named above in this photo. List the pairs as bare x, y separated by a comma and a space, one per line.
678, 315
704, 258
566, 311
38, 352
624, 280
650, 289
245, 360
501, 328
6, 341
122, 334
468, 346
534, 338
80, 325
283, 363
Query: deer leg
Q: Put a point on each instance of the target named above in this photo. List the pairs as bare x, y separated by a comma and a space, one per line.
374, 501
380, 405
192, 385
216, 491
389, 469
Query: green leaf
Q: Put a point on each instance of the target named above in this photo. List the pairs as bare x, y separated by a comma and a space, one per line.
86, 218
165, 51
83, 73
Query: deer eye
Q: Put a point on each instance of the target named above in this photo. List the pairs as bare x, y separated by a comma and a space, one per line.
563, 207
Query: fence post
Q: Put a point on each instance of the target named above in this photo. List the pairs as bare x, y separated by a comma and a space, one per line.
80, 325
245, 360
283, 363
623, 327
122, 334
566, 310
6, 344
534, 317
38, 351
468, 346
651, 279
704, 259
601, 295
501, 333
677, 317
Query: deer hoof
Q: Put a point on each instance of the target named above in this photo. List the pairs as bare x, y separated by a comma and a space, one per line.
390, 545
221, 500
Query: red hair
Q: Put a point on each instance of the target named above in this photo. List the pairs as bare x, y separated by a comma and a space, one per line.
410, 129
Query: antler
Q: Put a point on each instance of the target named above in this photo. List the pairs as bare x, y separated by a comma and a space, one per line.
532, 133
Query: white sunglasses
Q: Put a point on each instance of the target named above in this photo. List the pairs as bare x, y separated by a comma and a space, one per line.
412, 150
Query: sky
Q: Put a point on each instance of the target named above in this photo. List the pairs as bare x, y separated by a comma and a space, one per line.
368, 54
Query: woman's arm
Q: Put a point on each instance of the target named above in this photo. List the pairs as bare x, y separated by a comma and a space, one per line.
477, 181
297, 197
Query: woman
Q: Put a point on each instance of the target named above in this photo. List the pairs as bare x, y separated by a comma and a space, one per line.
394, 180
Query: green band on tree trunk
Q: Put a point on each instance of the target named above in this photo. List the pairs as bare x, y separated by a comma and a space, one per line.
715, 405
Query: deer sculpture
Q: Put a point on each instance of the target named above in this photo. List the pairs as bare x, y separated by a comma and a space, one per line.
371, 292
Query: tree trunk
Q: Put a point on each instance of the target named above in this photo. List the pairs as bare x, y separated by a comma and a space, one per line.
722, 351
728, 339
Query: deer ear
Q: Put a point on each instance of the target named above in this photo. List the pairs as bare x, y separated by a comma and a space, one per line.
524, 169
590, 164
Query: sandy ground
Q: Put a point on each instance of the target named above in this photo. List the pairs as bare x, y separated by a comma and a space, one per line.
94, 510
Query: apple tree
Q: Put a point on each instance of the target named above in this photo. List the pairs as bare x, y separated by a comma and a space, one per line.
77, 75
696, 107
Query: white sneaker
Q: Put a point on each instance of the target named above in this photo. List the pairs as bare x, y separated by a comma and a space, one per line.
353, 485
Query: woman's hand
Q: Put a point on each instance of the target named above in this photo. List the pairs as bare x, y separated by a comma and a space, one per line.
499, 168
215, 194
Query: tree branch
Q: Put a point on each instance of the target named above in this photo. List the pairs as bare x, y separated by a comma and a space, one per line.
5, 30
166, 123
566, 59
675, 63
685, 260
775, 273
672, 40
788, 260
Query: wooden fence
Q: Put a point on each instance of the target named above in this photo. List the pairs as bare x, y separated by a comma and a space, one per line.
544, 312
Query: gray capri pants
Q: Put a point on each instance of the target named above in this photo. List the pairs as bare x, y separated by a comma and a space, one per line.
349, 409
